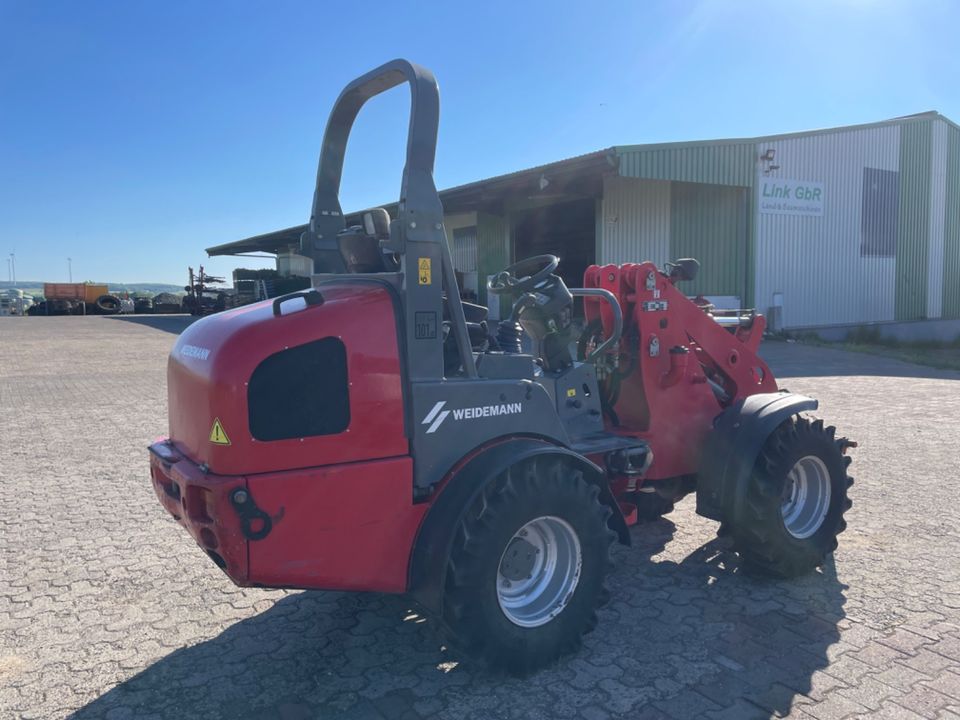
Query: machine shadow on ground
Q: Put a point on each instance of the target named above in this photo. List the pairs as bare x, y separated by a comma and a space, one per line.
174, 324
686, 637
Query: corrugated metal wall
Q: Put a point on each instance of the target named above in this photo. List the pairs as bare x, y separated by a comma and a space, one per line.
913, 231
659, 220
700, 200
724, 164
493, 255
951, 231
634, 222
463, 249
816, 262
938, 197
704, 215
709, 223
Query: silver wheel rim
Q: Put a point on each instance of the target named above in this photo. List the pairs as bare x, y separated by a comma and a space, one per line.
538, 571
806, 497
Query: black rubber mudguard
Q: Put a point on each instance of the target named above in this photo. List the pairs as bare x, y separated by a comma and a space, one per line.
731, 450
429, 557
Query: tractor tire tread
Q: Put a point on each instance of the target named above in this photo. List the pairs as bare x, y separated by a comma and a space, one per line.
759, 537
468, 563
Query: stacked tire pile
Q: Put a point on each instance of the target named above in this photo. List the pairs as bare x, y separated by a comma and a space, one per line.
167, 303
105, 305
162, 303
56, 306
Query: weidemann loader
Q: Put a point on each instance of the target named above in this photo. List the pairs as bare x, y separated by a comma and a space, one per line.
374, 433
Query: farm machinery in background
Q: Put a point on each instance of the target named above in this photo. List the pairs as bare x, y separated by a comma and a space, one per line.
80, 299
374, 433
206, 296
14, 302
203, 296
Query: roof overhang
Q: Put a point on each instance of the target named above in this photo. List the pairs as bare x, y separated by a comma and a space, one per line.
575, 177
273, 242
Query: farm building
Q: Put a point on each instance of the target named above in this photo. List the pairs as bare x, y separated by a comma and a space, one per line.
837, 227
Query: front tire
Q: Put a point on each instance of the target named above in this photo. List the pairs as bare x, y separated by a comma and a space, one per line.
527, 567
795, 500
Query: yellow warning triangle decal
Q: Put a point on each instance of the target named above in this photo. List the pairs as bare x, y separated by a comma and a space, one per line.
217, 435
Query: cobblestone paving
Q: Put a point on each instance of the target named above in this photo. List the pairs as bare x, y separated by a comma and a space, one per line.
107, 609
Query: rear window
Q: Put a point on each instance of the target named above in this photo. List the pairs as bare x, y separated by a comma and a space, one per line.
300, 392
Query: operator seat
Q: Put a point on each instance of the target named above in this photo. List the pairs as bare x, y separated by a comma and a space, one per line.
359, 245
476, 317
361, 250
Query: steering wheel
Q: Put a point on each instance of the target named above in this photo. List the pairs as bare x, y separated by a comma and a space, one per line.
523, 276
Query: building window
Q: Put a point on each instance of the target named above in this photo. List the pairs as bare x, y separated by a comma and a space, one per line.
880, 213
300, 392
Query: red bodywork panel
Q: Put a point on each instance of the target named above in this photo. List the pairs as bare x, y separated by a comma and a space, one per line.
342, 527
348, 527
347, 524
666, 400
214, 358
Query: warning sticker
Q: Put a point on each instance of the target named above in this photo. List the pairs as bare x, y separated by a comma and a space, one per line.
571, 392
217, 435
423, 267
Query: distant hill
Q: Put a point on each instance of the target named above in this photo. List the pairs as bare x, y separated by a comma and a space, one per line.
152, 288
35, 287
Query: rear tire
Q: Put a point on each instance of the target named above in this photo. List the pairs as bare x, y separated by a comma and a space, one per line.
795, 501
503, 602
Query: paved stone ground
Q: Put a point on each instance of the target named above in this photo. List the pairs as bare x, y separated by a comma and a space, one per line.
107, 609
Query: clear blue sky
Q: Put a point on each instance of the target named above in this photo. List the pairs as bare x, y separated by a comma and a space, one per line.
134, 134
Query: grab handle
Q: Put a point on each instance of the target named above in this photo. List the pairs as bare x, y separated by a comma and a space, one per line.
310, 297
617, 317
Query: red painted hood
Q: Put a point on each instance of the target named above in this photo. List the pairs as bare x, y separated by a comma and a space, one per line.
212, 361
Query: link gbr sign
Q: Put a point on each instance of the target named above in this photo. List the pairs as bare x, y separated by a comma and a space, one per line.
790, 197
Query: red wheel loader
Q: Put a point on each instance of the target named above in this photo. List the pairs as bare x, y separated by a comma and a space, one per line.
373, 433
